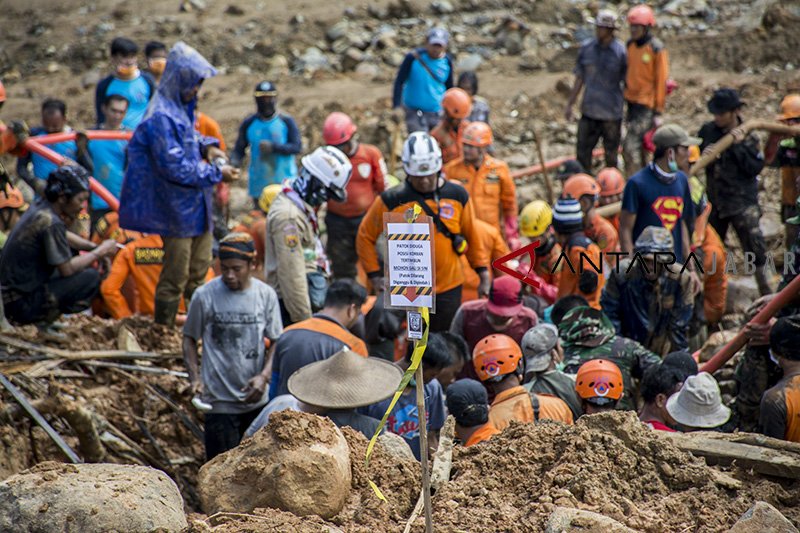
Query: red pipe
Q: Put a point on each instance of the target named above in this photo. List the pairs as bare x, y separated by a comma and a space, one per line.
92, 135
553, 163
777, 303
97, 188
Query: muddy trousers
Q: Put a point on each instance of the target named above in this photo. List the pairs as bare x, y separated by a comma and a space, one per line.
755, 373
589, 132
72, 294
638, 122
745, 224
224, 432
186, 262
341, 245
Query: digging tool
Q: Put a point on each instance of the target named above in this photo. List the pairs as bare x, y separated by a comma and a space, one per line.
39, 419
548, 184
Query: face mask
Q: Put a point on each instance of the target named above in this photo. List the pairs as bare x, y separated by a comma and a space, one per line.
127, 72
158, 65
673, 165
265, 108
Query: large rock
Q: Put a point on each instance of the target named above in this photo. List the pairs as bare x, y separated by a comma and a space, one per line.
742, 291
90, 497
298, 463
764, 518
715, 341
569, 520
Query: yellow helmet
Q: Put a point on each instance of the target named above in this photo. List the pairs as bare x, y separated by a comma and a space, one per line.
694, 153
268, 195
535, 218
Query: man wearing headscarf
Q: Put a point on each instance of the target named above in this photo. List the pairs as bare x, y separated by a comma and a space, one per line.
169, 182
41, 277
233, 314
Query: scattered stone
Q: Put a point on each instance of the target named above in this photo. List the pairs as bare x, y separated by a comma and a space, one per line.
337, 31
742, 291
367, 71
715, 341
312, 60
469, 62
234, 10
764, 518
243, 69
90, 497
352, 58
396, 446
442, 7
278, 67
91, 78
298, 463
569, 520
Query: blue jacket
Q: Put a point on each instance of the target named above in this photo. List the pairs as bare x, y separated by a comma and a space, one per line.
168, 187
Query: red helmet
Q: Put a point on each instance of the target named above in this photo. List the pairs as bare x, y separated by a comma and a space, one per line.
641, 15
496, 355
579, 185
477, 134
457, 103
599, 378
2, 92
611, 181
338, 129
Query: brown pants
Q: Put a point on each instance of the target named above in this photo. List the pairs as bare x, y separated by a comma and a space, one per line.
186, 262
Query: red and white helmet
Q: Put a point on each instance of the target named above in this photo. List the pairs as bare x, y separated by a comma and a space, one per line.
421, 155
338, 129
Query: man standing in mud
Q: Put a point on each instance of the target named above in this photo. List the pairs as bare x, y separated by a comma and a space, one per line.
233, 314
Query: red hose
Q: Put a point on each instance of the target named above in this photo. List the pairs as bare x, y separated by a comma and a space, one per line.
553, 163
97, 188
780, 300
92, 135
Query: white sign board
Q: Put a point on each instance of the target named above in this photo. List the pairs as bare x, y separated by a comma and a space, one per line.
409, 263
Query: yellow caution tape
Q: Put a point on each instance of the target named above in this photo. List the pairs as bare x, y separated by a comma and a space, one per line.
416, 358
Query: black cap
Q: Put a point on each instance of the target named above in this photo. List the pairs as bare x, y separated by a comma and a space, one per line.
568, 168
723, 100
683, 361
784, 338
265, 88
468, 402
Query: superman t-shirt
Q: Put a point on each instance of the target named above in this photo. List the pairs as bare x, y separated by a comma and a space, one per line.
656, 203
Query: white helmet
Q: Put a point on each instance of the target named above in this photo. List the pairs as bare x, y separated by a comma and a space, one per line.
421, 155
330, 166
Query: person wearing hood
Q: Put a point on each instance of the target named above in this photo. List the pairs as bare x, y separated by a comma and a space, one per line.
295, 262
587, 334
274, 141
170, 178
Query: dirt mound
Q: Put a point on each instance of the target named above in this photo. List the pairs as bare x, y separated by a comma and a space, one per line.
609, 463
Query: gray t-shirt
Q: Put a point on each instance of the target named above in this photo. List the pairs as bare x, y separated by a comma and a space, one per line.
232, 325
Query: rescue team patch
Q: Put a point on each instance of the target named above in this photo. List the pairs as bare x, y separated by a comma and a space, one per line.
492, 178
291, 241
364, 170
646, 58
148, 256
446, 211
668, 209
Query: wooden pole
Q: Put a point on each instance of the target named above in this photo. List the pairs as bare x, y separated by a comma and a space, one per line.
547, 182
423, 449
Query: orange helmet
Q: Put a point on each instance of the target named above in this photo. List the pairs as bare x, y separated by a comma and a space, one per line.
496, 355
477, 134
641, 15
694, 153
457, 103
337, 129
12, 198
2, 92
579, 185
599, 378
610, 181
790, 107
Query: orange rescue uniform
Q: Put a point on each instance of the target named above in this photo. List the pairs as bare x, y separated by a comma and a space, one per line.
646, 79
516, 404
485, 432
449, 140
602, 232
332, 329
365, 184
490, 187
715, 286
455, 212
614, 219
108, 228
209, 127
580, 251
141, 260
492, 242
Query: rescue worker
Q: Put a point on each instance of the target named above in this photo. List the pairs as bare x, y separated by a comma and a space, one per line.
542, 352
468, 81
167, 187
599, 386
588, 333
498, 363
12, 207
155, 54
40, 274
487, 180
780, 410
108, 228
645, 85
54, 120
274, 141
584, 188
784, 153
367, 182
732, 180
422, 78
468, 402
493, 243
535, 223
698, 405
449, 132
581, 271
659, 383
646, 299
127, 80
455, 233
600, 68
140, 261
612, 185
295, 262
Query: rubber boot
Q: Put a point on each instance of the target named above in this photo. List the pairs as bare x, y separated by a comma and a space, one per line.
165, 312
762, 281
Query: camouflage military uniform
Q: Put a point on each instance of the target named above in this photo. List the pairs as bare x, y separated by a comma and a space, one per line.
587, 334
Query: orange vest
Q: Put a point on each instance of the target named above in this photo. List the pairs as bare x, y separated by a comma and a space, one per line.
646, 78
603, 233
715, 286
497, 247
334, 330
449, 140
485, 432
209, 127
516, 404
490, 186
